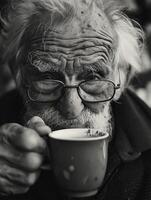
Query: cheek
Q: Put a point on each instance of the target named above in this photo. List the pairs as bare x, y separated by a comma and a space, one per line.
96, 107
35, 109
40, 107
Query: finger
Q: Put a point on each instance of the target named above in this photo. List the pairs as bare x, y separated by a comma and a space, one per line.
30, 161
29, 140
18, 176
8, 130
23, 138
9, 188
39, 125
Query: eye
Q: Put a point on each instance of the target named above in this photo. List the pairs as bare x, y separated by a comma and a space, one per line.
47, 76
42, 85
94, 77
46, 86
41, 76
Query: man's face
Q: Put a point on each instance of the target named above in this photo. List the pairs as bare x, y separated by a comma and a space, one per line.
73, 51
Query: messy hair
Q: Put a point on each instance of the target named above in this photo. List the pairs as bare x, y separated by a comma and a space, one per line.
18, 20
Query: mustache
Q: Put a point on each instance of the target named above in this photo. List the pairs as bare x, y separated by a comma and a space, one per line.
56, 121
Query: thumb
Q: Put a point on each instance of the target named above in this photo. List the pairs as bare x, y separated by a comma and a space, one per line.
39, 125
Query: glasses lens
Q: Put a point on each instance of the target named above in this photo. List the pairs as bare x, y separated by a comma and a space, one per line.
45, 90
96, 90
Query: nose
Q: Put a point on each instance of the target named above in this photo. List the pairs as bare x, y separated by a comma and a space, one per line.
70, 105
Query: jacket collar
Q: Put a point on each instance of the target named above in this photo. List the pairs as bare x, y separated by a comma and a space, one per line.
132, 126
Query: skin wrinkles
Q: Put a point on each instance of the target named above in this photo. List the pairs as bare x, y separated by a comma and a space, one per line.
84, 50
85, 45
43, 63
87, 34
80, 52
43, 57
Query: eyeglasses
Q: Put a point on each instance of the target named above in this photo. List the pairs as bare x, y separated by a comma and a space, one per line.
89, 91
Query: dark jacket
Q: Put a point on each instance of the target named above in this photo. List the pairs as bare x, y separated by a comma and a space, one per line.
128, 175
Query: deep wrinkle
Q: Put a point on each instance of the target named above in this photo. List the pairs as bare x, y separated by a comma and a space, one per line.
83, 46
69, 67
74, 57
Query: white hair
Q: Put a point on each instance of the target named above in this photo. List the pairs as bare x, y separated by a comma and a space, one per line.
18, 20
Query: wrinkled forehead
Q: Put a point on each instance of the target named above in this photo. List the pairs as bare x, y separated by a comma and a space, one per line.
83, 31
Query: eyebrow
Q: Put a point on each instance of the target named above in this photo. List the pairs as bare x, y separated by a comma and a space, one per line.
43, 65
98, 66
46, 65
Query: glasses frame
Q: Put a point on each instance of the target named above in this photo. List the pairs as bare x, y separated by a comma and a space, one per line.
116, 87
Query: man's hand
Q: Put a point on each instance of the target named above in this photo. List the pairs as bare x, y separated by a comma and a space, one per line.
22, 151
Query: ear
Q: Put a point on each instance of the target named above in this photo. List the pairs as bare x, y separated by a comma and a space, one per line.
122, 76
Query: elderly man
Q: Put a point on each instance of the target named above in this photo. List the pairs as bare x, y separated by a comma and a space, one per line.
71, 60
